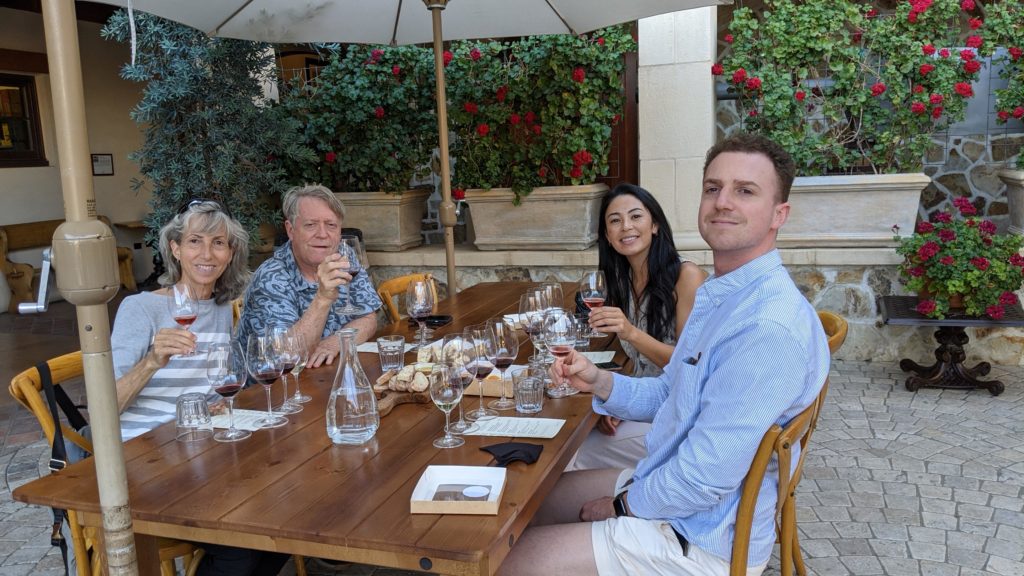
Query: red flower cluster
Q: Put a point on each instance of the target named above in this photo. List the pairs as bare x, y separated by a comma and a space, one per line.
918, 108
918, 7
967, 5
514, 118
717, 69
501, 93
917, 89
925, 307
927, 250
474, 54
877, 89
980, 262
926, 68
396, 70
924, 227
739, 76
947, 235
1015, 53
975, 41
871, 13
458, 194
944, 53
964, 89
928, 49
995, 311
800, 95
935, 99
967, 55
582, 157
330, 157
964, 205
447, 57
728, 38
972, 67
600, 41
975, 23
579, 75
753, 83
483, 129
471, 107
378, 112
937, 112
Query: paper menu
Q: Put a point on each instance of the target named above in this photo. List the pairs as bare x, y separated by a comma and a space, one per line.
517, 427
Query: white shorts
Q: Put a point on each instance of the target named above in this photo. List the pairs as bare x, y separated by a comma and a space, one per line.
623, 450
626, 546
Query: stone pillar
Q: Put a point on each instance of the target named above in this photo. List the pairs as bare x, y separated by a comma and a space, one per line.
677, 113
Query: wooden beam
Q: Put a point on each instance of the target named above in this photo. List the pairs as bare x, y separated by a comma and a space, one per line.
21, 61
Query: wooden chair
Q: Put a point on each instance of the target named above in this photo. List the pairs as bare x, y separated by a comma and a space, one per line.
26, 388
835, 327
236, 310
396, 287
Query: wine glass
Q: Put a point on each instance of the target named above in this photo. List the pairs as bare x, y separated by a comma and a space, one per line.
349, 249
593, 291
297, 342
560, 338
281, 341
478, 367
184, 309
419, 302
446, 391
553, 293
531, 311
264, 366
363, 260
502, 349
226, 372
456, 353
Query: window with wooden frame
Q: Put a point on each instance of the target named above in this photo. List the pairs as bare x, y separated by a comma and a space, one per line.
21, 141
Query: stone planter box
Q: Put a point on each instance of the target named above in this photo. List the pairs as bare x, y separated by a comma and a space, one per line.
390, 222
549, 218
851, 211
1014, 180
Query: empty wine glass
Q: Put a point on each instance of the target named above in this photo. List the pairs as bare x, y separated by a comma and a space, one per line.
560, 338
280, 339
226, 372
502, 349
479, 366
531, 311
419, 302
299, 348
446, 391
264, 366
553, 293
593, 291
349, 249
184, 308
456, 353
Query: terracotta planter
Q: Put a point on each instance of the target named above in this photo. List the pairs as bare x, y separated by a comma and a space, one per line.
851, 211
390, 222
1014, 180
549, 218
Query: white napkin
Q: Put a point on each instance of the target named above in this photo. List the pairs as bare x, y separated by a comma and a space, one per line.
371, 346
244, 419
599, 357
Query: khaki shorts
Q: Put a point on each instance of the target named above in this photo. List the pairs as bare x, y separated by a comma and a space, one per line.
627, 546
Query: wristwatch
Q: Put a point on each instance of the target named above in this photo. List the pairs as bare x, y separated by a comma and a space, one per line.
619, 504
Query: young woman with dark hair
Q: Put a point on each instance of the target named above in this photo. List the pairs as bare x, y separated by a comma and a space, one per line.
650, 295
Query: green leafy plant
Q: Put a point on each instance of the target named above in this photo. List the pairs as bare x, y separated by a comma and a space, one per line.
1006, 22
848, 89
369, 115
209, 130
961, 255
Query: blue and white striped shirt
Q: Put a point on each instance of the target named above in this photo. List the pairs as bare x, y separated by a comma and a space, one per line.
766, 362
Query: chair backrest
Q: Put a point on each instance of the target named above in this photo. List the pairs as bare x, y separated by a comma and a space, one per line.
236, 310
27, 389
388, 290
835, 327
776, 443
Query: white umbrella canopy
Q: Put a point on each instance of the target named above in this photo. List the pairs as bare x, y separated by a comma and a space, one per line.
395, 22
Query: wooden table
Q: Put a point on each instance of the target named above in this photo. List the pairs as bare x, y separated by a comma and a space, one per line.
948, 371
290, 490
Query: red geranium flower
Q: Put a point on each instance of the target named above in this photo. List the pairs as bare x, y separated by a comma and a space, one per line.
739, 76
943, 217
717, 69
458, 194
967, 5
447, 57
877, 89
987, 227
536, 129
728, 38
967, 55
924, 227
576, 172
1017, 260
471, 107
928, 49
378, 112
1007, 298
871, 13
513, 118
330, 157
1018, 112
917, 89
935, 99
927, 250
474, 54
937, 112
483, 129
925, 307
918, 108
530, 117
926, 68
752, 113
578, 75
1003, 115
995, 311
396, 70
975, 41
916, 271
800, 95
600, 41
501, 93
972, 67
1015, 53
975, 23
947, 235
946, 260
964, 89
980, 262
754, 84
944, 53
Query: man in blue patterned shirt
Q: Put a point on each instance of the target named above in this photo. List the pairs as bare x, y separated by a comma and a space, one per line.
752, 354
300, 284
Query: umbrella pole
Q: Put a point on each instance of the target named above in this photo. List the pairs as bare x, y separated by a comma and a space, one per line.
85, 258
447, 208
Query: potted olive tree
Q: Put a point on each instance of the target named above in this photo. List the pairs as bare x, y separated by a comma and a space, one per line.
855, 95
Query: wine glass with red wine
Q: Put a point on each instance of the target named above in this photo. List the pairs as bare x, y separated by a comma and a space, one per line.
350, 254
456, 353
280, 337
593, 291
226, 373
560, 339
184, 309
264, 366
502, 352
419, 303
479, 366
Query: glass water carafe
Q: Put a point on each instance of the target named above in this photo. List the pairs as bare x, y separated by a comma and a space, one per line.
352, 408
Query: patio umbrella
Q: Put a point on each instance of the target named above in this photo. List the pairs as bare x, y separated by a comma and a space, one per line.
349, 21
397, 22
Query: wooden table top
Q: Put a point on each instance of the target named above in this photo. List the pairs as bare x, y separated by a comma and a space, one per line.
291, 490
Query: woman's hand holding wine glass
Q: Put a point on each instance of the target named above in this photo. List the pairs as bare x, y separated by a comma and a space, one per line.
226, 372
184, 308
593, 291
264, 365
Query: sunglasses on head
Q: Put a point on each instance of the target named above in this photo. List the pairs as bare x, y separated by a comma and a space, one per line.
198, 201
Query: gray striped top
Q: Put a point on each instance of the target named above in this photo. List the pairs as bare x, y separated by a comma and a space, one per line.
138, 320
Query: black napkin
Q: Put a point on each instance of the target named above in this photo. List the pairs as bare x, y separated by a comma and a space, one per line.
509, 452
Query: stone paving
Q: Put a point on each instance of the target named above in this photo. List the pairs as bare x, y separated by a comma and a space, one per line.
896, 483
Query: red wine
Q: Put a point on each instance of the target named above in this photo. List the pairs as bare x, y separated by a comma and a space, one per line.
228, 390
267, 377
185, 321
503, 362
480, 369
594, 302
287, 366
560, 350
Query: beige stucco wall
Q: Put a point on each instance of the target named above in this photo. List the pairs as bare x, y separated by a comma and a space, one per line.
29, 194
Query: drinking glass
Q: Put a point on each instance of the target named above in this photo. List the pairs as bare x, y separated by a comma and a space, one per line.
529, 390
192, 418
553, 294
456, 353
560, 338
280, 339
226, 373
502, 349
184, 309
349, 249
593, 291
446, 391
264, 366
363, 260
419, 302
531, 314
299, 348
478, 367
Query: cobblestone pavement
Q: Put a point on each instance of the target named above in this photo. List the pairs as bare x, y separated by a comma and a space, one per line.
896, 483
